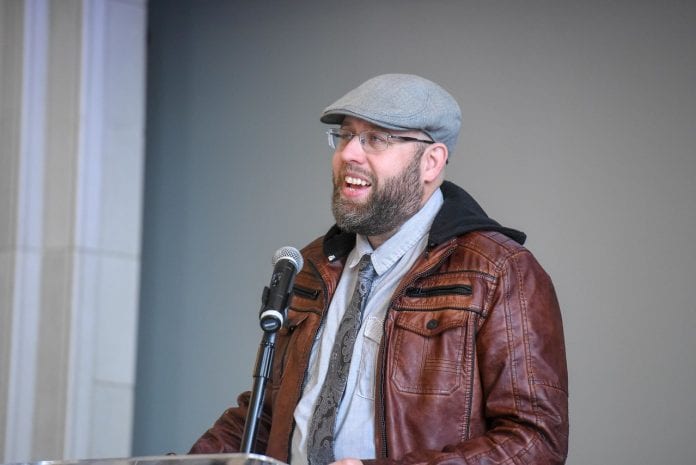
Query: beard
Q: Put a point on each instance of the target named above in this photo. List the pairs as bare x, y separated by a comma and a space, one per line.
391, 203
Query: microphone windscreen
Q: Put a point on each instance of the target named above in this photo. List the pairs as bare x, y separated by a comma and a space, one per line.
289, 253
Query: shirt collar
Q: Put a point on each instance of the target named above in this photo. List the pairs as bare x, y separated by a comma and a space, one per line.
406, 237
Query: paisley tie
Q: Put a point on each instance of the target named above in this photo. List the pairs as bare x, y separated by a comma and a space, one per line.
320, 443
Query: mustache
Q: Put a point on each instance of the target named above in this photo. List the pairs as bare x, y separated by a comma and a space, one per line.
352, 170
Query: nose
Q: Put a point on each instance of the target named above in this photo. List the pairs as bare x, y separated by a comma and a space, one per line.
353, 151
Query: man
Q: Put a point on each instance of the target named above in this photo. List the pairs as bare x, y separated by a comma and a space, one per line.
443, 345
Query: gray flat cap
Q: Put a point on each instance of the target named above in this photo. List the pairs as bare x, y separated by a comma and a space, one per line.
401, 102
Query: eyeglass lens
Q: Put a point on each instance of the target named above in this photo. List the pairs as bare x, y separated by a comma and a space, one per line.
373, 141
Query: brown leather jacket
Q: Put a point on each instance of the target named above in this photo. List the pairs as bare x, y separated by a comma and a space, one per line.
472, 366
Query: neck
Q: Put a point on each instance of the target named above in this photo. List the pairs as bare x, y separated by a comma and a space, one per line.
376, 241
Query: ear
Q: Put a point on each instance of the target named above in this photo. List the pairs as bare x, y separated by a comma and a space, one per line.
433, 162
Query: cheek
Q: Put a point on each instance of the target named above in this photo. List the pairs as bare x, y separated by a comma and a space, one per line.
387, 170
335, 164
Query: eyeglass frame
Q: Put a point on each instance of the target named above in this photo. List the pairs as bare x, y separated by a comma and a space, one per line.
362, 138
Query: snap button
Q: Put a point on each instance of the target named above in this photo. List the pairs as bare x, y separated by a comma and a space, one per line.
432, 324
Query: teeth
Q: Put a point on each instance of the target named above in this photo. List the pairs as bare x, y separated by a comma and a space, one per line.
356, 181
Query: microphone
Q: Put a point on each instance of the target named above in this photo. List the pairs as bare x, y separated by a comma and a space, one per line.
287, 262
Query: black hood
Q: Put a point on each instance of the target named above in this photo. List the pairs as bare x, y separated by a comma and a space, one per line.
459, 214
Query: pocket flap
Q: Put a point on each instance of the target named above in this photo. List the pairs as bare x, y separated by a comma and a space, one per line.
293, 320
431, 323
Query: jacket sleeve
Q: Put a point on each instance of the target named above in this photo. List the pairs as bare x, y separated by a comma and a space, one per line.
226, 434
522, 365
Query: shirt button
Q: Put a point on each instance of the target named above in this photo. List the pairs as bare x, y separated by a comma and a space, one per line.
432, 324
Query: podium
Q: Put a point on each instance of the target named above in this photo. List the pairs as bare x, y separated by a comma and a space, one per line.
195, 459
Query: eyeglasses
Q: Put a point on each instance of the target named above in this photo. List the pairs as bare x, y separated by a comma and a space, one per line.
371, 141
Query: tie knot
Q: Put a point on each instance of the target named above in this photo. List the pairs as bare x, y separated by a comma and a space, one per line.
366, 273
365, 268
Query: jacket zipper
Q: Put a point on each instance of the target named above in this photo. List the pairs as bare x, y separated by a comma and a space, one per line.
470, 400
306, 293
463, 289
383, 360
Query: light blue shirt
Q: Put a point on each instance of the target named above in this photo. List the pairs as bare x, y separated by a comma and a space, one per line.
354, 435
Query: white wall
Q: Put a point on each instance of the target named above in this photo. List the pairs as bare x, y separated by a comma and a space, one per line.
71, 159
579, 127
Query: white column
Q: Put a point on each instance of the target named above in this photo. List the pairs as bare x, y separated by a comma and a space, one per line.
23, 26
73, 102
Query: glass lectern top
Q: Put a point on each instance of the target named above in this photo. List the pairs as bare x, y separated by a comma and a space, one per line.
202, 459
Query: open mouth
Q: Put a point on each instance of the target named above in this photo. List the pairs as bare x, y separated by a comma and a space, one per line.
354, 183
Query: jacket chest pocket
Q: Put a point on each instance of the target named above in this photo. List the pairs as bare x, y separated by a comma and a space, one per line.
294, 339
433, 333
429, 349
287, 340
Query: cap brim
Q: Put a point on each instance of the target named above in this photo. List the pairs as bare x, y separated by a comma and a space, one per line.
337, 117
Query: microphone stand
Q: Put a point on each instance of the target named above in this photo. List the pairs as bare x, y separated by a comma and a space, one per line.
274, 304
262, 372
